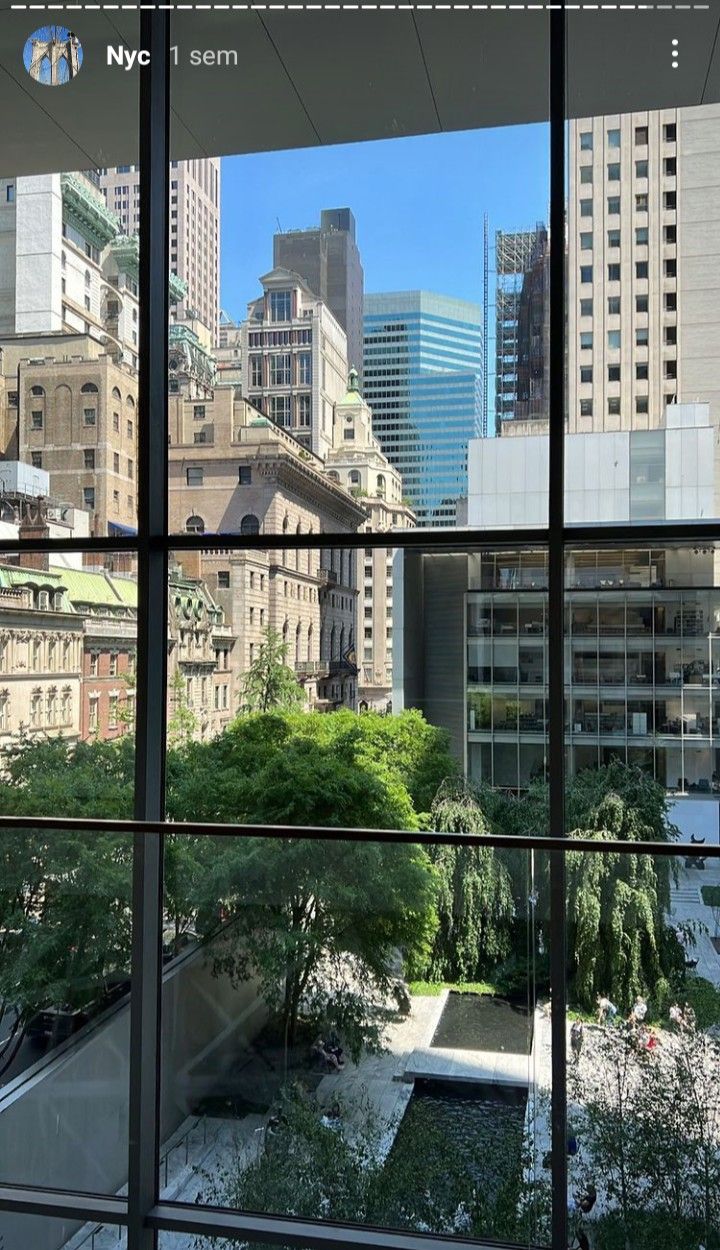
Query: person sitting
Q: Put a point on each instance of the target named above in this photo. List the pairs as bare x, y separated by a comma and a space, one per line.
638, 1012
606, 1011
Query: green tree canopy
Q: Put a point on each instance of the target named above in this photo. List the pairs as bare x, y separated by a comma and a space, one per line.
269, 681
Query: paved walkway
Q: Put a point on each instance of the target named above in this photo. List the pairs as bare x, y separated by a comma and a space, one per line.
686, 904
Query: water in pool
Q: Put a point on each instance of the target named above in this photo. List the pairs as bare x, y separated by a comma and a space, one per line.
483, 1022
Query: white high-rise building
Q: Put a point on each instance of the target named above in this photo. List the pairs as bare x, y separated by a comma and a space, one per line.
194, 228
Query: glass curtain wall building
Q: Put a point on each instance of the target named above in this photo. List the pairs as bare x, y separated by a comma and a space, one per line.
423, 380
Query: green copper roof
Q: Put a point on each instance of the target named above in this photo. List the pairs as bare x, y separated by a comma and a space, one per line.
126, 252
352, 394
85, 210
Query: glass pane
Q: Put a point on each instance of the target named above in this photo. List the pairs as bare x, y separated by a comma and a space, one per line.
643, 269
443, 654
643, 1058
69, 312
68, 634
47, 1233
65, 933
373, 1043
642, 681
378, 341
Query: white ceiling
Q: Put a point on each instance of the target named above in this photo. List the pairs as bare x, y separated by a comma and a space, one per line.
306, 78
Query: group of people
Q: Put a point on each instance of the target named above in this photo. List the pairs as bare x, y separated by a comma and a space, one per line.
330, 1052
683, 1018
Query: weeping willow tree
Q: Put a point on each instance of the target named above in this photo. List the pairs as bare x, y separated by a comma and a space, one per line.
475, 903
619, 942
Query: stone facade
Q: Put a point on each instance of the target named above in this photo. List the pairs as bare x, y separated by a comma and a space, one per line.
357, 462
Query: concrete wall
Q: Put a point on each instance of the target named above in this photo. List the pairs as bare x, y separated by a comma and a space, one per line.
64, 1122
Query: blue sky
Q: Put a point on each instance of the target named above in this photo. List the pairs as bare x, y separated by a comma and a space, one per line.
418, 205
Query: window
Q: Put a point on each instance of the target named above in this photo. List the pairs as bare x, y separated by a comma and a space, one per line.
303, 410
670, 268
641, 203
199, 412
89, 497
586, 375
586, 273
670, 301
613, 172
586, 141
613, 238
36, 459
116, 500
89, 416
670, 200
613, 407
641, 169
670, 338
613, 373
586, 208
613, 273
641, 136
256, 378
131, 469
280, 369
88, 458
613, 305
641, 372
250, 524
129, 429
641, 269
244, 475
586, 340
280, 409
586, 308
642, 404
670, 132
670, 234
304, 368
116, 422
194, 476
613, 138
613, 339
113, 664
641, 303
586, 242
113, 711
670, 369
223, 579
280, 305
642, 336
613, 205
641, 235
36, 419
586, 408
670, 166
586, 174
9, 194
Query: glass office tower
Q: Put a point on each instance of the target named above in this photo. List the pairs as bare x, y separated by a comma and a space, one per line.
423, 365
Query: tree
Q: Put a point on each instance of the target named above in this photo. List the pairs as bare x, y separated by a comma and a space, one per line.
64, 896
269, 682
182, 723
475, 902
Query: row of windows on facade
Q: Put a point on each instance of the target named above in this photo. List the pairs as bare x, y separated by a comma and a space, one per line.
333, 645
53, 709
642, 270
642, 204
642, 237
642, 305
642, 405
279, 369
279, 338
642, 170
641, 340
641, 137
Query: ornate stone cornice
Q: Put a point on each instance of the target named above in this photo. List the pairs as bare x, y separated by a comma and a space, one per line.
87, 212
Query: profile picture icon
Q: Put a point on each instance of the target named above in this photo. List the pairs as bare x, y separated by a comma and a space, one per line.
53, 55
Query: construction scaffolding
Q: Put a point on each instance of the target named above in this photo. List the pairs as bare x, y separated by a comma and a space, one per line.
520, 324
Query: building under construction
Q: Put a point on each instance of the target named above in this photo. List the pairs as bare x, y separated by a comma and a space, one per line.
522, 327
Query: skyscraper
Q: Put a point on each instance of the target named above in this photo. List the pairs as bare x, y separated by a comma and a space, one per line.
521, 326
194, 228
643, 267
328, 259
423, 381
